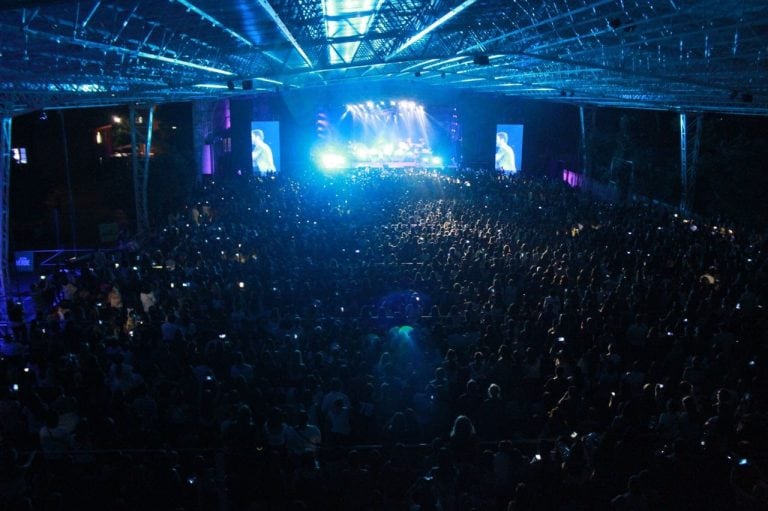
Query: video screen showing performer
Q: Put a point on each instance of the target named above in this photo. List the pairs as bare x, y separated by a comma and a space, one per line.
509, 148
265, 147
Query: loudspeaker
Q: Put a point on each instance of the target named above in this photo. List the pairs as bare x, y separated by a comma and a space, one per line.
247, 84
230, 85
482, 60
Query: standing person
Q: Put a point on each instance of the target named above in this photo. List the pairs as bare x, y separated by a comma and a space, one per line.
505, 155
261, 153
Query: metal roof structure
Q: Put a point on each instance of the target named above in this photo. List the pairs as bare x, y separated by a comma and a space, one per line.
681, 55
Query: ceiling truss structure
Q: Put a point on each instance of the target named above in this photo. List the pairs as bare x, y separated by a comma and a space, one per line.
680, 55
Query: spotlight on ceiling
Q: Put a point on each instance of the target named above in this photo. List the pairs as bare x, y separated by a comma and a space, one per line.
247, 84
230, 85
482, 60
417, 74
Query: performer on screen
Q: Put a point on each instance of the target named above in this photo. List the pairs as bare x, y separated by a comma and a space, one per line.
505, 156
261, 152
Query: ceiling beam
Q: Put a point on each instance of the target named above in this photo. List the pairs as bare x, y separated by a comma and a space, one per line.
481, 46
213, 21
59, 38
284, 29
432, 26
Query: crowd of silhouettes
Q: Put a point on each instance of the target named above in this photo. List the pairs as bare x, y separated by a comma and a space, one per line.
395, 341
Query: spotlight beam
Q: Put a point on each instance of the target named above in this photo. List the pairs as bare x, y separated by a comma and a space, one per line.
435, 24
214, 21
284, 29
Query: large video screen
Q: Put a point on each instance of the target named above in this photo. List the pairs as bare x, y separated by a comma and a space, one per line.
391, 133
509, 148
265, 147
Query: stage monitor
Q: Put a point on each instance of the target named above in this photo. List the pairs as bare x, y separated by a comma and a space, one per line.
509, 148
265, 147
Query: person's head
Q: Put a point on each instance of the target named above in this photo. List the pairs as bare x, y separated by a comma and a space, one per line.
397, 422
462, 427
502, 138
244, 414
302, 418
257, 135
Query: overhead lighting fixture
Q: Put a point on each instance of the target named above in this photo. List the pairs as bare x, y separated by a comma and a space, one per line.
269, 80
211, 86
177, 62
419, 64
440, 21
444, 62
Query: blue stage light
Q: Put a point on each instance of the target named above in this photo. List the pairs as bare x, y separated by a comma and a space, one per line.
332, 161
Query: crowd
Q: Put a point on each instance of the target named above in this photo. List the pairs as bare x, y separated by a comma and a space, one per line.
396, 341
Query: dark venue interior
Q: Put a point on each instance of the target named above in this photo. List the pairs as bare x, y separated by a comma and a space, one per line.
448, 255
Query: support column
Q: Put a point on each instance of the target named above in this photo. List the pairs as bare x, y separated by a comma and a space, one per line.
690, 142
583, 141
67, 172
140, 172
202, 128
683, 163
5, 182
145, 177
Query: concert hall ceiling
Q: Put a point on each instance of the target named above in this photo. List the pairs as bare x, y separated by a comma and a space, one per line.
681, 55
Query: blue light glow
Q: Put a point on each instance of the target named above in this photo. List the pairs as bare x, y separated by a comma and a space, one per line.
347, 18
331, 161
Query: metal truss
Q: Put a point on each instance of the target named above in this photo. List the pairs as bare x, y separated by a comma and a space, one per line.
5, 176
141, 149
690, 142
690, 55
